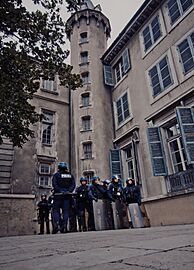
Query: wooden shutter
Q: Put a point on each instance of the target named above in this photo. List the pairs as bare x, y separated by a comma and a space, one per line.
126, 61
156, 151
115, 162
108, 76
185, 119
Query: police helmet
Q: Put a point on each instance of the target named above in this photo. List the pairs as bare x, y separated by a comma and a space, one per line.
43, 195
83, 179
95, 178
115, 177
106, 182
62, 166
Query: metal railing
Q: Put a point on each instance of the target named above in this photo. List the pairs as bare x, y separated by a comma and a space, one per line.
180, 181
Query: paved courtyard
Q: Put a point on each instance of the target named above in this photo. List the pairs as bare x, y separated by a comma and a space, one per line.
159, 248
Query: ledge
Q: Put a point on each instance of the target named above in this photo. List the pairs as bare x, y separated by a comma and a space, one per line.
17, 196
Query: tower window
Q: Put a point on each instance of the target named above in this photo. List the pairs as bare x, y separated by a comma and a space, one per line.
87, 150
86, 123
85, 77
47, 128
85, 99
44, 179
84, 57
83, 37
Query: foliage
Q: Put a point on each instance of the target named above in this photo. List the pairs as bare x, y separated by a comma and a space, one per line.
31, 45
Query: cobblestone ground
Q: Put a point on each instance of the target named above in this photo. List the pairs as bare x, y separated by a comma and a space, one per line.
159, 248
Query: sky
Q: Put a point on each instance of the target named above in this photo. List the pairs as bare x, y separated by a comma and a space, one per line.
119, 12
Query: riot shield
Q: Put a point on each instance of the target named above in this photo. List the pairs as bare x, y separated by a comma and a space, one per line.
103, 218
136, 215
120, 215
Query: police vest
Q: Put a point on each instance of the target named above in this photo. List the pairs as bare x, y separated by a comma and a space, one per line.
65, 180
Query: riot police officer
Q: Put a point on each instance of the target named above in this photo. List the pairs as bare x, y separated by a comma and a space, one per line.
43, 214
84, 203
132, 192
96, 190
64, 184
116, 189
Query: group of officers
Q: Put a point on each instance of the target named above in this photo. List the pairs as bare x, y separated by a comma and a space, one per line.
69, 204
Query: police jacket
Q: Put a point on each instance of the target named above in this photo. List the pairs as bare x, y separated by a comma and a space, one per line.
116, 190
43, 208
63, 182
96, 192
132, 194
82, 193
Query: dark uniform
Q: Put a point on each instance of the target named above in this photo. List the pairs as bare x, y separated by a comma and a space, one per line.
132, 192
116, 189
83, 204
43, 214
64, 184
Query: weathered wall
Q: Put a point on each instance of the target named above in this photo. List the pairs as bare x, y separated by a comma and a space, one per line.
170, 211
17, 213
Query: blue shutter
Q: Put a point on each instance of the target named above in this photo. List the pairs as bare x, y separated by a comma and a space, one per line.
156, 151
186, 124
108, 76
126, 62
115, 162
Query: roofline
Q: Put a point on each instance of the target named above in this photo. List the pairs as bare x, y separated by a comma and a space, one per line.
131, 28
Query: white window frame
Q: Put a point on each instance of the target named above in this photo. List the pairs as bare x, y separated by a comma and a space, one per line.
47, 123
129, 118
168, 21
173, 76
84, 58
162, 29
85, 79
44, 174
88, 98
85, 127
178, 62
191, 47
84, 156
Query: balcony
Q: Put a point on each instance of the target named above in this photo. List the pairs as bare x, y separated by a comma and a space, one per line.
180, 182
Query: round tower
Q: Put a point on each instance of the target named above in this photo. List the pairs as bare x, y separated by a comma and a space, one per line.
92, 126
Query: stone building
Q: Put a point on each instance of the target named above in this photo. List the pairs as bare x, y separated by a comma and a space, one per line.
132, 117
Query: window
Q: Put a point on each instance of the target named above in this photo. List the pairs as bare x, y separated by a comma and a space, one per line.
122, 107
84, 57
176, 148
152, 33
130, 161
85, 99
86, 123
48, 85
47, 126
87, 150
89, 175
177, 8
122, 66
44, 179
115, 74
85, 77
160, 76
83, 37
186, 51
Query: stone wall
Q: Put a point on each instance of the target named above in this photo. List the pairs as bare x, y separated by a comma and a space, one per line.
17, 213
171, 210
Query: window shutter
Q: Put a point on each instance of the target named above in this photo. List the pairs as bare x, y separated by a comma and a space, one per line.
108, 76
115, 162
186, 124
126, 62
156, 151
